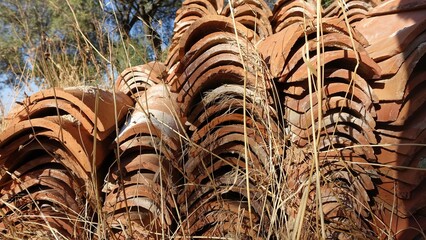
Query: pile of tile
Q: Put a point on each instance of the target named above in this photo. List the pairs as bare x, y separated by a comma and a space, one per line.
400, 51
338, 113
259, 121
142, 178
213, 61
56, 139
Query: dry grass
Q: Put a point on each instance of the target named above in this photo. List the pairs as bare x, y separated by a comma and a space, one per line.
308, 220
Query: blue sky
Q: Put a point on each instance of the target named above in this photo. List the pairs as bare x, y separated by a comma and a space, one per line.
9, 95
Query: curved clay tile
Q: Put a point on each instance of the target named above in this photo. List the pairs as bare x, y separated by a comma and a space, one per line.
190, 12
179, 164
134, 80
334, 131
348, 117
202, 130
357, 115
412, 106
198, 200
330, 41
283, 56
210, 80
366, 67
61, 219
406, 26
217, 5
397, 7
213, 56
288, 12
212, 105
143, 178
216, 160
331, 88
354, 81
227, 206
208, 45
78, 143
78, 104
393, 88
399, 146
400, 52
391, 60
157, 108
355, 10
143, 190
253, 14
213, 24
48, 174
344, 195
196, 32
226, 137
261, 4
235, 226
261, 30
205, 62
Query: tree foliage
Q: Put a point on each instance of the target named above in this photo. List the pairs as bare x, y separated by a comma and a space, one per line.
129, 13
74, 42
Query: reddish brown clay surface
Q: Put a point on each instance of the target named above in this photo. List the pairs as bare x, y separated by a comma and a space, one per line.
211, 141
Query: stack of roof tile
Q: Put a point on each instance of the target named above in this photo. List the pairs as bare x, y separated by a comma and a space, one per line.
288, 12
353, 10
142, 177
212, 58
342, 117
400, 50
216, 59
190, 12
135, 80
55, 141
216, 197
244, 102
251, 13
